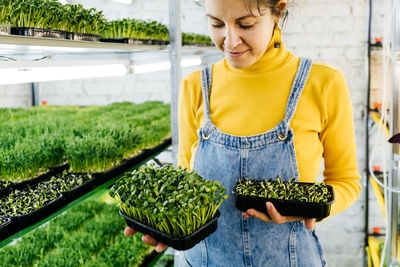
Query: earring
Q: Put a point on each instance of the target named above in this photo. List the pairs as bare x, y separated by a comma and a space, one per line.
277, 43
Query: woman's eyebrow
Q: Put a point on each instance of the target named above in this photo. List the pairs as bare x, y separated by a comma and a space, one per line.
241, 18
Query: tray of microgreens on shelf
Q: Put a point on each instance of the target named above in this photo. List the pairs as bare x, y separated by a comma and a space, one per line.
32, 200
175, 206
308, 200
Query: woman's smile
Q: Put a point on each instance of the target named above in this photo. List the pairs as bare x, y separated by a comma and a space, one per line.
236, 54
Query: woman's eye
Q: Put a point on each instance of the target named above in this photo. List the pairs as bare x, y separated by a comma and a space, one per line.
246, 27
217, 25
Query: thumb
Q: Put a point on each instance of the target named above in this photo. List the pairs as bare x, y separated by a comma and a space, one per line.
309, 223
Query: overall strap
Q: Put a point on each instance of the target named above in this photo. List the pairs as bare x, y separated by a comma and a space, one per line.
297, 88
206, 89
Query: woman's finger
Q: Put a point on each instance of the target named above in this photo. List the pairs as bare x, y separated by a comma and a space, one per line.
129, 231
149, 240
277, 218
309, 223
160, 247
257, 214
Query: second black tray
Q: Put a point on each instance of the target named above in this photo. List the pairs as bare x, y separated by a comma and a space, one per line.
134, 41
177, 243
287, 207
37, 32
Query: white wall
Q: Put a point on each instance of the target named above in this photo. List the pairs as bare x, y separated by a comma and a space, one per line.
334, 32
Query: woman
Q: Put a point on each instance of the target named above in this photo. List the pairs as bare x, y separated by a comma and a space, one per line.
259, 113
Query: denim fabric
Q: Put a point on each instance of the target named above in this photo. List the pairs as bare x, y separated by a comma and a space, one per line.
219, 156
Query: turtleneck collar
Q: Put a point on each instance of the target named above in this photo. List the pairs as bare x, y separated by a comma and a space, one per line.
272, 58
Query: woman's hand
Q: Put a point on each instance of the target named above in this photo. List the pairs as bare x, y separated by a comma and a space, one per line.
274, 216
146, 239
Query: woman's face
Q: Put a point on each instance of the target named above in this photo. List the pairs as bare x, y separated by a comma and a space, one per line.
242, 37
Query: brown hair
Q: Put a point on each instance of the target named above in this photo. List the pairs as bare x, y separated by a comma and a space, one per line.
277, 9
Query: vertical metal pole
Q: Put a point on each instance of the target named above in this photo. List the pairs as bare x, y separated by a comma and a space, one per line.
175, 54
395, 116
367, 109
35, 94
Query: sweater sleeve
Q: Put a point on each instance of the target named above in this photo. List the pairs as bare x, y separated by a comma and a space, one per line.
339, 144
187, 124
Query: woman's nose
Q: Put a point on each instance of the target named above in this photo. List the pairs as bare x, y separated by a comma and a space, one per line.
232, 38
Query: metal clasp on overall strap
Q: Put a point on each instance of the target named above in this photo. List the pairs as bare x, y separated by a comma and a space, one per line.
282, 137
205, 136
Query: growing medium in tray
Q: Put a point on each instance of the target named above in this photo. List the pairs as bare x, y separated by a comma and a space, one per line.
171, 200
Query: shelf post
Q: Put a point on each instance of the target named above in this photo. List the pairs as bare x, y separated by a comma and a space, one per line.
175, 54
35, 94
393, 216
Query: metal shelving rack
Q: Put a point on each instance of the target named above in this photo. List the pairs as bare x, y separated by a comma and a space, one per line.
394, 175
392, 198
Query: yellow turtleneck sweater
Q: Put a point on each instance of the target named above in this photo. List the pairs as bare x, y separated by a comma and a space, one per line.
253, 100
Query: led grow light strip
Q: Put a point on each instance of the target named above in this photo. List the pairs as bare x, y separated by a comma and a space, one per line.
41, 74
28, 72
126, 2
165, 65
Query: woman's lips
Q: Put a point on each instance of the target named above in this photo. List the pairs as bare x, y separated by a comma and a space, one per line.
236, 54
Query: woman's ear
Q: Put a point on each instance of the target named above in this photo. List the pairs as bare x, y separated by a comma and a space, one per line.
281, 6
279, 10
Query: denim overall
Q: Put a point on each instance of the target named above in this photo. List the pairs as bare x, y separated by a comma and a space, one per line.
241, 241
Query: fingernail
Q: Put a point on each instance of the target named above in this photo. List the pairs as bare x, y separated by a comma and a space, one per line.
144, 239
250, 213
269, 206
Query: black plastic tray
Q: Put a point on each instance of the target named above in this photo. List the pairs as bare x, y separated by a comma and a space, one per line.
76, 36
18, 223
286, 207
135, 41
81, 190
28, 219
5, 228
37, 32
183, 243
